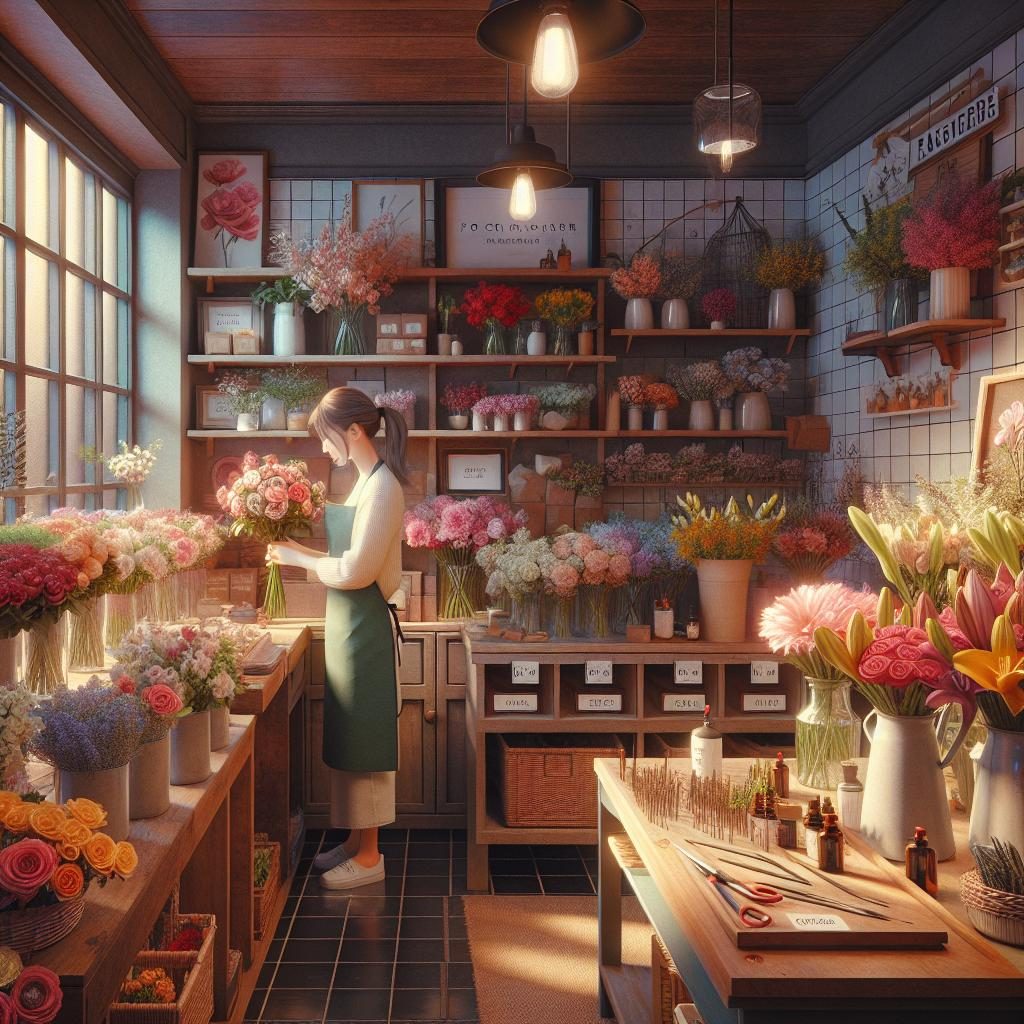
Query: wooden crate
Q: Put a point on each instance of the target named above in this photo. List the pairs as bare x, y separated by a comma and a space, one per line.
668, 990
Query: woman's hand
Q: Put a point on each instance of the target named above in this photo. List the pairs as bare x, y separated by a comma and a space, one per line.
286, 552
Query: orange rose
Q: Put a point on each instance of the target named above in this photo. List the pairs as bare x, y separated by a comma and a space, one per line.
67, 881
7, 801
100, 852
69, 851
17, 818
126, 860
47, 821
75, 833
87, 812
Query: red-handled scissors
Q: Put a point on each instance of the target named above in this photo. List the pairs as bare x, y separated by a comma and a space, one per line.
752, 917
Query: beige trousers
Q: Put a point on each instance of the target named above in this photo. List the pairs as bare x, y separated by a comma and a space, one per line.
362, 799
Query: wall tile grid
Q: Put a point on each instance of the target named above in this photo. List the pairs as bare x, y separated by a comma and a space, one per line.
936, 445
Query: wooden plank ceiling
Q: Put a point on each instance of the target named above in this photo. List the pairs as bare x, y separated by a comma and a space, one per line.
425, 51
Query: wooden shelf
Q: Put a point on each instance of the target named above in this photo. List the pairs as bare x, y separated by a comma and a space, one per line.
1012, 208
706, 485
934, 332
908, 412
452, 435
705, 434
1010, 246
790, 334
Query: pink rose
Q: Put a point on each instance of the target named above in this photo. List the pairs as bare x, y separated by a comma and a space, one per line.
299, 493
8, 1012
307, 508
36, 995
250, 461
26, 866
223, 172
227, 211
162, 700
276, 493
249, 194
237, 506
276, 510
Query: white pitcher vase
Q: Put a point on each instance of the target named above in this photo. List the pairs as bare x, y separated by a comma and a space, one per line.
998, 807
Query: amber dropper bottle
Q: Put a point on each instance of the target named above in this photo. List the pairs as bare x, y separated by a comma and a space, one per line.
921, 866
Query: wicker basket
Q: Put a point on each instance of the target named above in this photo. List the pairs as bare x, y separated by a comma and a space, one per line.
192, 973
548, 781
996, 914
38, 927
668, 988
264, 899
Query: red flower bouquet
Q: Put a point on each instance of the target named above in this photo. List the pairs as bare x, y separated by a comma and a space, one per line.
955, 225
493, 306
719, 305
34, 582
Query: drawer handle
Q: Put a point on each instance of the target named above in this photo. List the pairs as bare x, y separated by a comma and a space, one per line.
430, 716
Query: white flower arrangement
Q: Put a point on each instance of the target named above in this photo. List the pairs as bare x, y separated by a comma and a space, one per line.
17, 727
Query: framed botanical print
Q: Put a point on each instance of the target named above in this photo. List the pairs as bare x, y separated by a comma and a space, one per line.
213, 412
232, 203
478, 471
996, 394
227, 316
403, 199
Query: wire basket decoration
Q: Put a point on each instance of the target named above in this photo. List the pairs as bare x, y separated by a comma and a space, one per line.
729, 260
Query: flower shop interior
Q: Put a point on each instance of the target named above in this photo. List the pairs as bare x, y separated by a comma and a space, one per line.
699, 329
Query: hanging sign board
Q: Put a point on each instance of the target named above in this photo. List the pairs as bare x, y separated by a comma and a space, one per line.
977, 115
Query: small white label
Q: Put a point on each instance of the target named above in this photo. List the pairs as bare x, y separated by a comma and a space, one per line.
599, 702
525, 673
764, 673
599, 673
515, 702
688, 703
764, 702
818, 922
689, 673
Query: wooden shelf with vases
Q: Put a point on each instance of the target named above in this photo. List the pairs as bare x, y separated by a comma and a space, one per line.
936, 333
790, 334
706, 434
707, 485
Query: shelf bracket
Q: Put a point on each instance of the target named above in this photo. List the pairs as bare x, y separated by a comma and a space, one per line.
790, 344
948, 356
211, 368
512, 370
569, 369
629, 343
209, 447
209, 284
889, 361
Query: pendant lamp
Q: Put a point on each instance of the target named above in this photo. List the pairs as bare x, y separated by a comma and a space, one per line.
555, 36
524, 165
727, 116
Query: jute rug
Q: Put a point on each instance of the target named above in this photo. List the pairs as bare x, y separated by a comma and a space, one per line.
535, 957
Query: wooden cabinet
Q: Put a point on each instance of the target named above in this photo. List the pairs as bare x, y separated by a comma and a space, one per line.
452, 677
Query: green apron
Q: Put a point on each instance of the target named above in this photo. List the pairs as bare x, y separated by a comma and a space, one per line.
360, 692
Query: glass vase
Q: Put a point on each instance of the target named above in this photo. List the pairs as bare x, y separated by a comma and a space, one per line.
44, 655
596, 602
120, 618
526, 612
349, 339
145, 602
133, 497
85, 637
561, 617
165, 595
461, 584
564, 341
827, 733
494, 339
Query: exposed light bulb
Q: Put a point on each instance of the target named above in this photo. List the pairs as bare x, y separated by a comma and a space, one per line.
522, 204
726, 155
556, 64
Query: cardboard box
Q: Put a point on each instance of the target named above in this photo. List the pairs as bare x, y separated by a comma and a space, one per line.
217, 343
389, 325
245, 343
414, 325
401, 346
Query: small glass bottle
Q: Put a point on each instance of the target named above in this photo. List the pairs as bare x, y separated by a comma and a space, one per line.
813, 822
850, 796
921, 866
693, 626
780, 776
830, 846
706, 748
788, 815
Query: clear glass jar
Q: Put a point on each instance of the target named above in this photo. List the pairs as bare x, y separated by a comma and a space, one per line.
827, 733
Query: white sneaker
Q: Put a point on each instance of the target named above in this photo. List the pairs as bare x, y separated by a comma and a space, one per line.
350, 874
332, 858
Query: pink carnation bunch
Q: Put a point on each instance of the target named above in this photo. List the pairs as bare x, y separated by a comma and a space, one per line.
460, 398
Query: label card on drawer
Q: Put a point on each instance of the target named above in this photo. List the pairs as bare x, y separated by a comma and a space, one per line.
526, 673
599, 673
689, 672
515, 702
764, 673
764, 702
692, 703
599, 702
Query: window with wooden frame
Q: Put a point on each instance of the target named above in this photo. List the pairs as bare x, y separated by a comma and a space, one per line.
65, 316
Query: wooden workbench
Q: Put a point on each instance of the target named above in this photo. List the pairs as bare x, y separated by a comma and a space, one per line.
969, 980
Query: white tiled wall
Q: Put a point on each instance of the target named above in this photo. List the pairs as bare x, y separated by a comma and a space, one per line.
934, 445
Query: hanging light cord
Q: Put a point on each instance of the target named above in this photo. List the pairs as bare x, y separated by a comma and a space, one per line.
568, 135
715, 2
730, 68
508, 100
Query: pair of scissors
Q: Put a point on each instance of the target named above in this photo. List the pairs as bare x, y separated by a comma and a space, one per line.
751, 917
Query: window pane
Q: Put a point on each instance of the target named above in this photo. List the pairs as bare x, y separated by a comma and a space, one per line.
41, 320
79, 328
80, 432
8, 163
74, 221
41, 422
123, 346
115, 341
109, 237
123, 246
8, 309
40, 188
110, 433
110, 499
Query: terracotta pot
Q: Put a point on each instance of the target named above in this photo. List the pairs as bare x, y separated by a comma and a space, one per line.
220, 727
190, 749
108, 788
149, 779
723, 587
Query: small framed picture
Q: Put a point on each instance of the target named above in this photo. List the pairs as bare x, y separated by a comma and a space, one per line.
402, 198
475, 472
212, 409
232, 202
228, 316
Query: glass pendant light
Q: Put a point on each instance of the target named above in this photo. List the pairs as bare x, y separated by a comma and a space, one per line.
556, 64
523, 202
727, 116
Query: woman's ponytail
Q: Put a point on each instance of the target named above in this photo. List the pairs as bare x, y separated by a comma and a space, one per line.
395, 440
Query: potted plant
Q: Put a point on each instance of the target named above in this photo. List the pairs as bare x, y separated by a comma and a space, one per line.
494, 307
295, 390
700, 384
875, 260
245, 397
680, 278
724, 543
754, 375
718, 306
458, 400
950, 232
289, 298
565, 308
785, 269
637, 283
447, 311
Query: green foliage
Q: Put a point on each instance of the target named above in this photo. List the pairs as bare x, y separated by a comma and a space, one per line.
284, 289
875, 256
261, 866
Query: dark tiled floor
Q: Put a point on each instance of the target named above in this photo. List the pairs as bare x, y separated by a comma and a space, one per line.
396, 951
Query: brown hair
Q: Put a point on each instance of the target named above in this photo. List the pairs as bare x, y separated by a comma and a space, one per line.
341, 407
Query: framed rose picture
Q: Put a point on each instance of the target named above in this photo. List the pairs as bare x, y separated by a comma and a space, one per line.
995, 416
403, 199
475, 472
231, 209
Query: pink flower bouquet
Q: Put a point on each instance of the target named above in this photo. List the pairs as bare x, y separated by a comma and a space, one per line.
954, 225
270, 501
808, 545
640, 280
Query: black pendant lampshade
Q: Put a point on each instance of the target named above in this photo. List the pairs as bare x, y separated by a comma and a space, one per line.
602, 28
524, 152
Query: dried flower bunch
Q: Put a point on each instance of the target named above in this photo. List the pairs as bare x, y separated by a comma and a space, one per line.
955, 225
730, 532
796, 264
875, 255
750, 370
719, 304
243, 391
17, 727
699, 382
295, 387
460, 398
402, 400
565, 307
568, 398
492, 304
680, 277
659, 395
812, 541
693, 464
640, 280
632, 388
580, 478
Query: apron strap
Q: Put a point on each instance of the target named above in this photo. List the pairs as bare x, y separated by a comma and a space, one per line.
399, 635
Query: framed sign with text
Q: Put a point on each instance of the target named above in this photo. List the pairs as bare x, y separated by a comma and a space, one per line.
474, 229
475, 472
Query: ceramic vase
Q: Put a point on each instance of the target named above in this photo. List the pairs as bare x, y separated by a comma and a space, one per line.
220, 727
718, 325
190, 749
660, 421
753, 411
613, 411
900, 303
289, 329
536, 343
998, 808
479, 422
298, 419
905, 786
444, 344
781, 309
702, 415
521, 421
108, 788
639, 315
723, 585
247, 421
635, 417
585, 343
675, 315
458, 421
950, 294
725, 417
149, 779
501, 421
457, 346
272, 415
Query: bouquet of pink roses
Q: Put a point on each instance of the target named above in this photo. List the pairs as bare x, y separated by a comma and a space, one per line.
270, 501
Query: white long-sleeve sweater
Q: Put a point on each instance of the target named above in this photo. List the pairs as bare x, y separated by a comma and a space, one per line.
376, 551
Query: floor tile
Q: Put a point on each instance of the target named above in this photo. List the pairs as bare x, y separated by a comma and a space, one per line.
429, 835
516, 885
356, 1004
373, 927
456, 927
252, 1011
415, 1004
456, 907
420, 951
356, 975
562, 885
460, 976
423, 851
422, 928
303, 976
427, 887
425, 906
461, 1005
508, 852
310, 951
317, 928
289, 1004
418, 976
322, 906
458, 951
369, 906
274, 950
266, 975
393, 835
512, 867
367, 951
569, 866
555, 852
436, 867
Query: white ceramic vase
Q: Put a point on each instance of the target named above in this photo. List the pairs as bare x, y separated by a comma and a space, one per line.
950, 294
247, 421
521, 421
479, 422
660, 421
272, 416
781, 309
753, 411
635, 417
289, 329
675, 315
536, 343
220, 727
718, 325
108, 788
500, 421
639, 315
458, 421
702, 415
149, 779
998, 807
